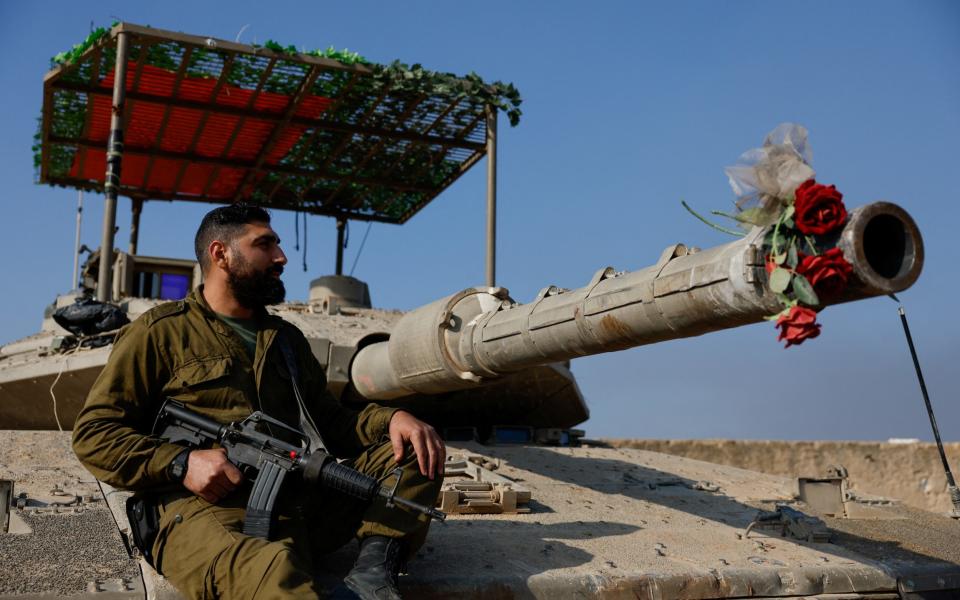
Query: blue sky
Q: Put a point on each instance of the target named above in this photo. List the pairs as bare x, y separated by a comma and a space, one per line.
629, 107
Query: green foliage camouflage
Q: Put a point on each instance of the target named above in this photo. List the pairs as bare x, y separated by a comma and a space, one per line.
73, 54
414, 91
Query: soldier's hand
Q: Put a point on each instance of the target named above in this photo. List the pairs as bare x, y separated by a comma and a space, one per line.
426, 442
210, 475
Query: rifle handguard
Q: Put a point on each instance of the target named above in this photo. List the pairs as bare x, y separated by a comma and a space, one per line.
323, 469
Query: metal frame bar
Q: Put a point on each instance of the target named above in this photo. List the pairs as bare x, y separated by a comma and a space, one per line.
443, 115
94, 78
481, 149
46, 113
342, 144
221, 81
136, 208
458, 141
217, 162
341, 230
464, 166
112, 177
298, 159
162, 130
302, 92
163, 35
53, 81
491, 231
135, 84
57, 72
235, 47
283, 204
377, 147
240, 123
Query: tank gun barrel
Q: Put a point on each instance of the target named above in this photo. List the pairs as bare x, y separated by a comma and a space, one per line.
480, 334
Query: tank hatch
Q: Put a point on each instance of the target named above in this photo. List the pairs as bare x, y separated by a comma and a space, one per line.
332, 292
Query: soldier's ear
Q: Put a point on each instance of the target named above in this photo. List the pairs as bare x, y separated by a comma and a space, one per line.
218, 254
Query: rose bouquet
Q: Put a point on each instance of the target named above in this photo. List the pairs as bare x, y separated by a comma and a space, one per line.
775, 188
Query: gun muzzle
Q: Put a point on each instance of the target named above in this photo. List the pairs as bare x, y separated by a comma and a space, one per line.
321, 468
430, 511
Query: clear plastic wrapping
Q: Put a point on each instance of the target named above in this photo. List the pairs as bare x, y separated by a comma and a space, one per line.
764, 178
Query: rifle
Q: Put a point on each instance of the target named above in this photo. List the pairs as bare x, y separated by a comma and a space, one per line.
268, 460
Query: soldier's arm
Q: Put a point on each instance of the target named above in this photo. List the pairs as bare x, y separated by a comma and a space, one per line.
111, 435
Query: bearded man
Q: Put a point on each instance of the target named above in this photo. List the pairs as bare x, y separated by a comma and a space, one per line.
218, 352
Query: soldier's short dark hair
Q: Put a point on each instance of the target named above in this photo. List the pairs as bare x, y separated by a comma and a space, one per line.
225, 224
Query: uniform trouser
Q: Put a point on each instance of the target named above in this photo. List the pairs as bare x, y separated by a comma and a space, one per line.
202, 550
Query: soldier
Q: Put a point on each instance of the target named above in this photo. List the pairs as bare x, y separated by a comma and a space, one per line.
217, 351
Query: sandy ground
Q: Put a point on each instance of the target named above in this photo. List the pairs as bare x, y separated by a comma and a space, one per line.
70, 547
910, 472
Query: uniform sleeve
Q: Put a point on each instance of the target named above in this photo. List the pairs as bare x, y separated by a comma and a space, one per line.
108, 436
345, 431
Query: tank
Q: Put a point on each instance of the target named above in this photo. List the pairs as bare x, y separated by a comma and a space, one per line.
536, 509
477, 360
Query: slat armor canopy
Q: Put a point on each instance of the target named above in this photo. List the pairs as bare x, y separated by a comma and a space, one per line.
211, 120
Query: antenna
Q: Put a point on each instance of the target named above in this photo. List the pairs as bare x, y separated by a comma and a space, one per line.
76, 244
951, 483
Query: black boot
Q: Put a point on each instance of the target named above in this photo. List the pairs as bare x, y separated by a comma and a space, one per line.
374, 575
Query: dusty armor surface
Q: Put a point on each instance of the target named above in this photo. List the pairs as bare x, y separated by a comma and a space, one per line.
602, 523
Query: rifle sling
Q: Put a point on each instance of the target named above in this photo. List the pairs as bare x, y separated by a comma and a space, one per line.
260, 517
309, 428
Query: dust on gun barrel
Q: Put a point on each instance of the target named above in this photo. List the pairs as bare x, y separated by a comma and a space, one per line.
476, 336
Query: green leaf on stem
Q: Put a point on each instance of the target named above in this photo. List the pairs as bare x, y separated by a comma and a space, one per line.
779, 240
780, 279
710, 223
753, 216
804, 291
792, 257
782, 313
780, 258
788, 212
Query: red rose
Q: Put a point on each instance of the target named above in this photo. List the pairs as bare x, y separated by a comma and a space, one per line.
798, 325
827, 273
818, 208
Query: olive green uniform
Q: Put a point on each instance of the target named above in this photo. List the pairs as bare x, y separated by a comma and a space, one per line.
181, 350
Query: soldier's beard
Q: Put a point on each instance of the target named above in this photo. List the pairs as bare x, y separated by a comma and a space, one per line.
255, 289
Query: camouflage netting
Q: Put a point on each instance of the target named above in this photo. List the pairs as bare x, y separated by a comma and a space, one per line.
324, 132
